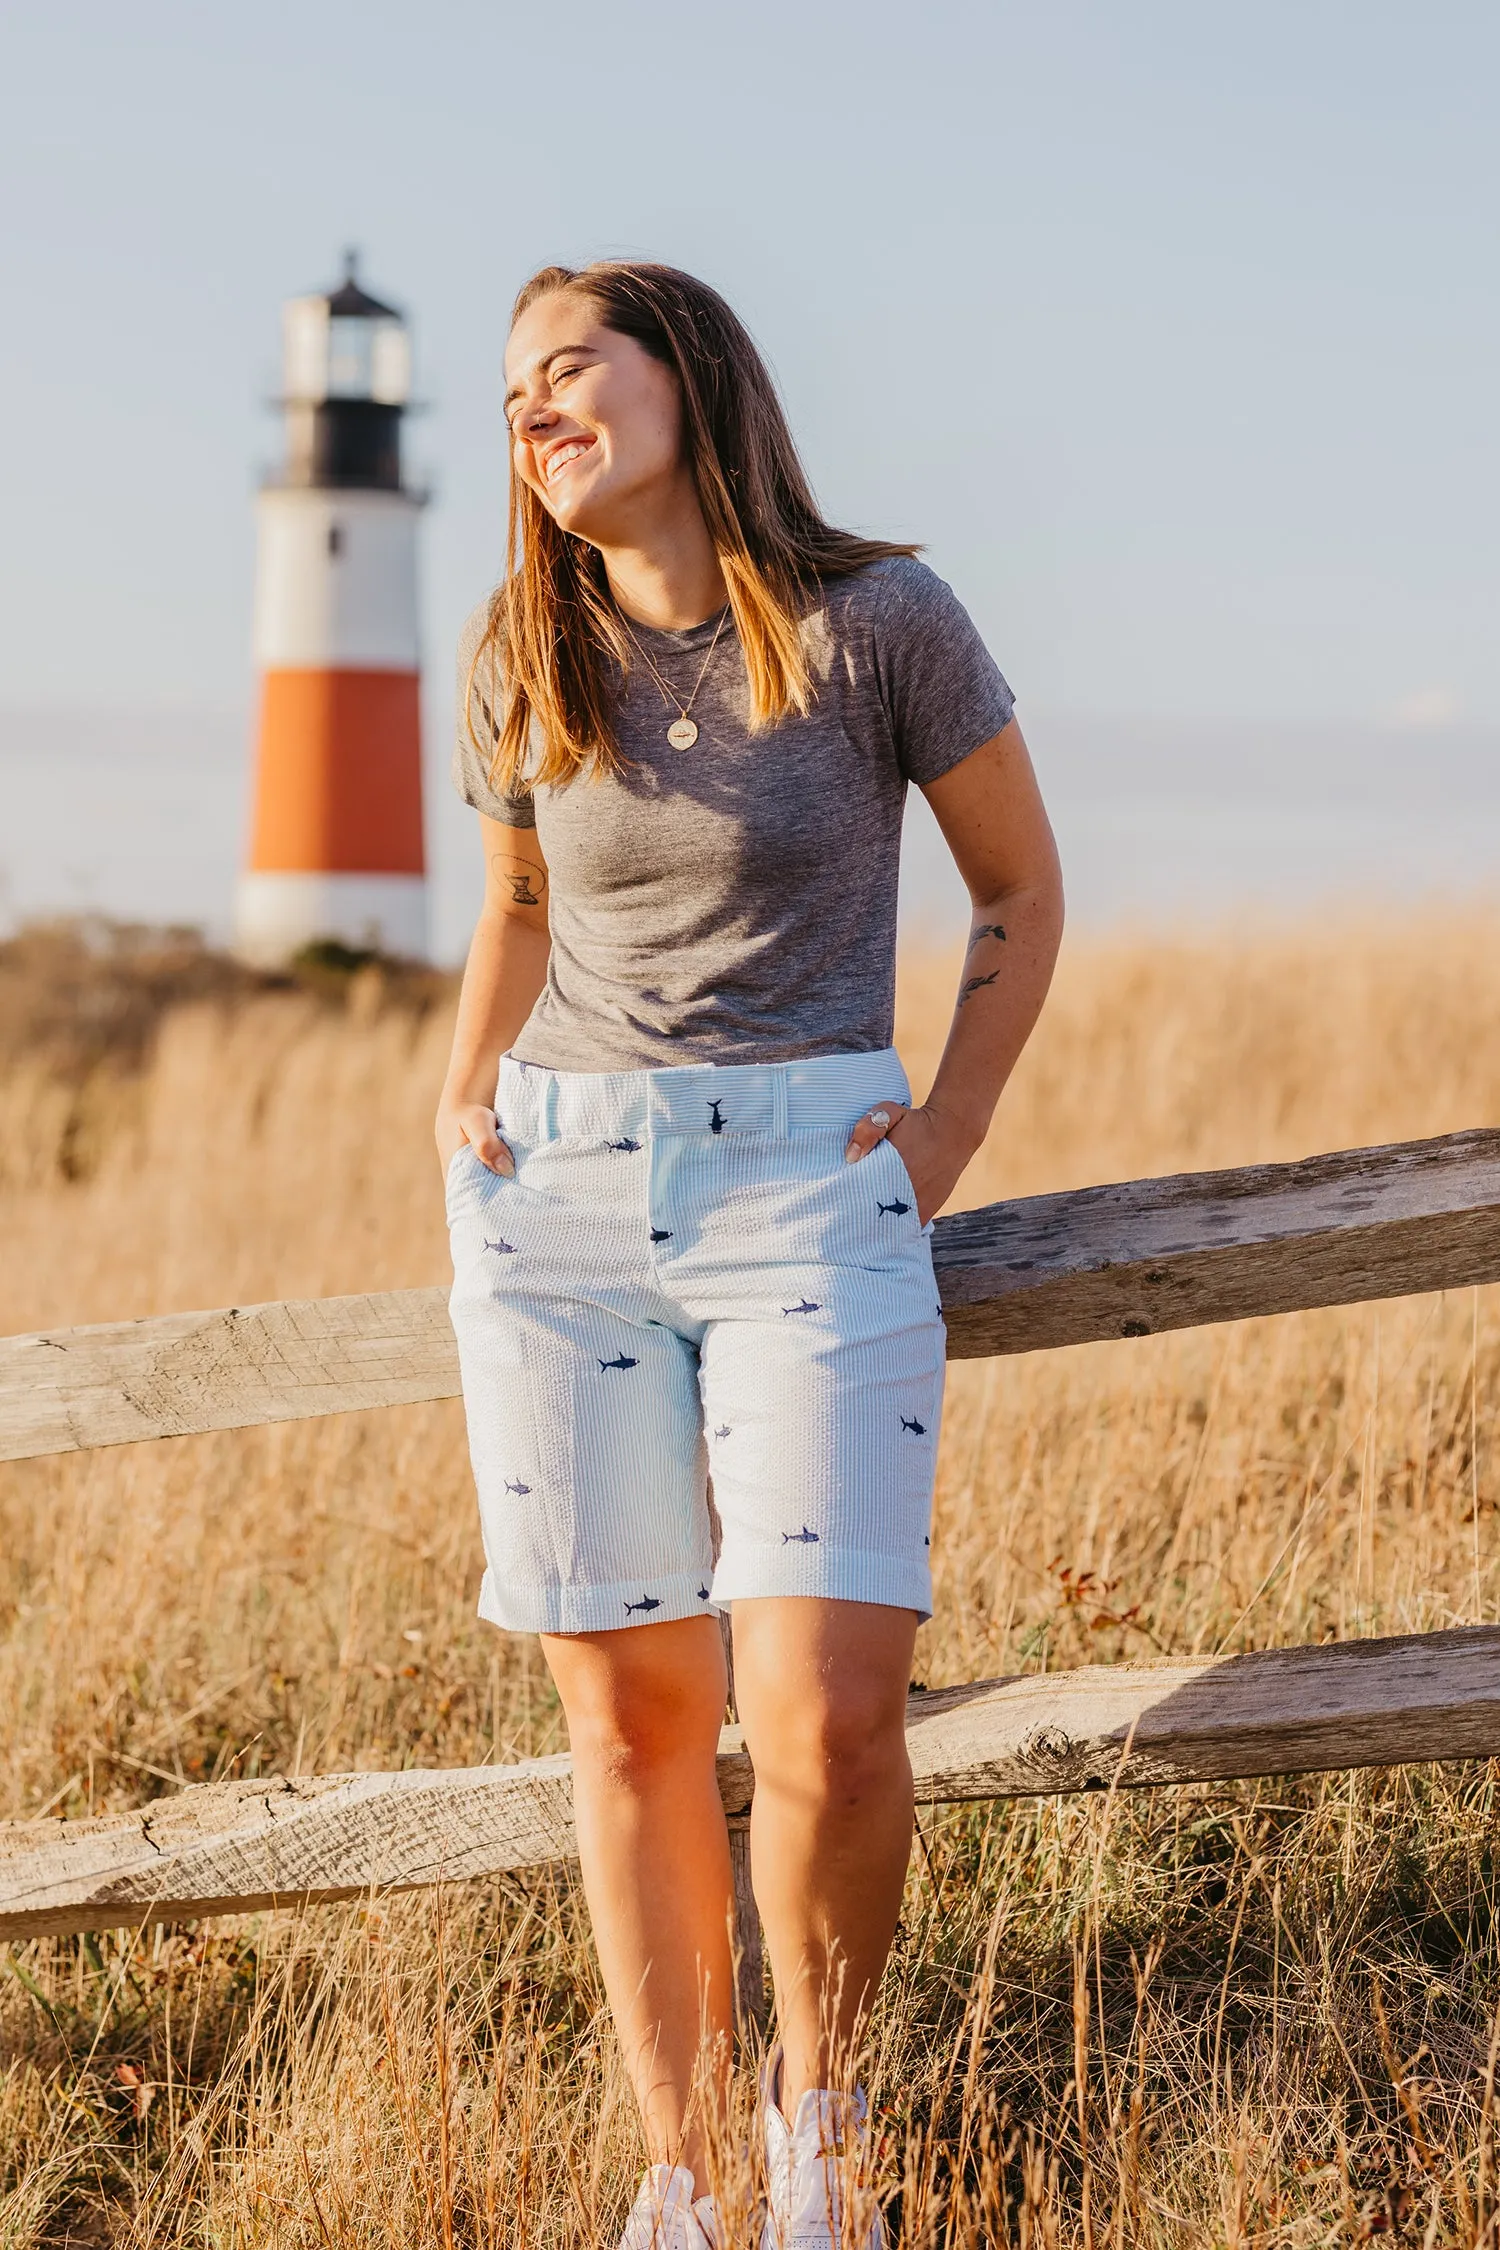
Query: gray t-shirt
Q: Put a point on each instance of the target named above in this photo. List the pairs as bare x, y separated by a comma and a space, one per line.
736, 902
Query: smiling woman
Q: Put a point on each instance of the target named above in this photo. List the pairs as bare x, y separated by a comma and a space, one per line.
689, 1197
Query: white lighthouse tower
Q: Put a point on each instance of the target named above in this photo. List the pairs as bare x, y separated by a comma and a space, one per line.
336, 843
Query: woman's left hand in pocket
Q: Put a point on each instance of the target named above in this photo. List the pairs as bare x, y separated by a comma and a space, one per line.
931, 1147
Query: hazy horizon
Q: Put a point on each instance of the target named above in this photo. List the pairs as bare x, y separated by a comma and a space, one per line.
1161, 823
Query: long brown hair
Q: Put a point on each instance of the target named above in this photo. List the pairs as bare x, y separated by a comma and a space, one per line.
554, 649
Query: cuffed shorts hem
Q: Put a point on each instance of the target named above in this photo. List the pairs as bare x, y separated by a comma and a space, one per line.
835, 1574
593, 1609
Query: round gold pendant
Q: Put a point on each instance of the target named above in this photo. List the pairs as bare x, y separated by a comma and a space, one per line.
682, 734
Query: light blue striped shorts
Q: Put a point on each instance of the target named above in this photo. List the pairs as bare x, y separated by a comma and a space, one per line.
702, 1355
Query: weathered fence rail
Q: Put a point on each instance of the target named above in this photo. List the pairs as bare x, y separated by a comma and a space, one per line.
1025, 1276
236, 1845
1128, 1260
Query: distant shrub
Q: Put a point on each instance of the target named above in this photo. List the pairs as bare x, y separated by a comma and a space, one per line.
86, 993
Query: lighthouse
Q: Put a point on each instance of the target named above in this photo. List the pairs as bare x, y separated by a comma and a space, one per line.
336, 837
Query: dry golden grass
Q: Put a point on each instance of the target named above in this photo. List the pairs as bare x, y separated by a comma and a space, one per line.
1261, 2014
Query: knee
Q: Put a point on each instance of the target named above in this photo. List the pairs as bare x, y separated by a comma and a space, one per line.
629, 1728
837, 1749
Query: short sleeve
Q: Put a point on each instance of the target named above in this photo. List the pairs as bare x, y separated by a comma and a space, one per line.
477, 702
943, 691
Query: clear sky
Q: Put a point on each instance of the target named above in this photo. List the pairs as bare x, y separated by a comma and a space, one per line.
1172, 328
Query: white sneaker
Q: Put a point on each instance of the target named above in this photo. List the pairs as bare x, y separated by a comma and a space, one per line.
811, 2166
665, 2217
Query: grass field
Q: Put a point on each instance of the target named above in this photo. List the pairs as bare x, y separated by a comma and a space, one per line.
1255, 2014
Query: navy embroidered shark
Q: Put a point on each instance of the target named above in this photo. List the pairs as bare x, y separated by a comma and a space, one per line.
502, 1248
647, 1602
626, 1147
703, 1593
918, 1429
661, 1234
716, 1122
623, 1361
806, 1305
722, 1430
802, 1538
522, 1489
898, 1209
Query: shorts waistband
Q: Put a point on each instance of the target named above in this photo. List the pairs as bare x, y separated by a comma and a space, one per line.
773, 1098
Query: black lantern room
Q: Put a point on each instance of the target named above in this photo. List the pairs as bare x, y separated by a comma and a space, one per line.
347, 361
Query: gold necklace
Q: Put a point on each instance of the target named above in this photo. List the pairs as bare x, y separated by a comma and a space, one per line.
683, 732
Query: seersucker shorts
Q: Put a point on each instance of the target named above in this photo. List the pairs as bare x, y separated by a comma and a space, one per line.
702, 1356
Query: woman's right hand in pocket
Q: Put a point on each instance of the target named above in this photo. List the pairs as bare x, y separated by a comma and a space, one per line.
471, 1125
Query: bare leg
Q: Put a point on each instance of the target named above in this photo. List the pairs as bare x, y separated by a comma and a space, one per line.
821, 1687
644, 1707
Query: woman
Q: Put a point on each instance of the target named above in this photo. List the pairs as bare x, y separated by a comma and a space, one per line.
701, 1346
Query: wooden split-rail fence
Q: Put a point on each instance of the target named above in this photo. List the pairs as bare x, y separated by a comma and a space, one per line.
1129, 1260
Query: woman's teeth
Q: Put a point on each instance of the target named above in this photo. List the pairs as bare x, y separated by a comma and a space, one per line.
562, 457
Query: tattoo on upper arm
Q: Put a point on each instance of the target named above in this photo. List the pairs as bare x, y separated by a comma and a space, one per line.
986, 929
527, 880
975, 984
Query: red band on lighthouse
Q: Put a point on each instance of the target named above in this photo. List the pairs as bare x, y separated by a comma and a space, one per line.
337, 786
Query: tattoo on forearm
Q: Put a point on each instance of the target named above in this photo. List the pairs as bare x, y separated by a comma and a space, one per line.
975, 984
526, 879
986, 929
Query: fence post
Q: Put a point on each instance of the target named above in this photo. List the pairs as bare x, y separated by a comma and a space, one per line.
749, 1952
750, 2008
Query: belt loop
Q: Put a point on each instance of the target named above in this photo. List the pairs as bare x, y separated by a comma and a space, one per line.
780, 1124
510, 1094
548, 1093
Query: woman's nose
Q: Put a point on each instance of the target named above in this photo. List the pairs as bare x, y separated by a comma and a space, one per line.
538, 417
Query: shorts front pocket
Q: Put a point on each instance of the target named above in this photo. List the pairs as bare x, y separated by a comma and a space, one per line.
897, 1198
457, 1176
470, 1182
